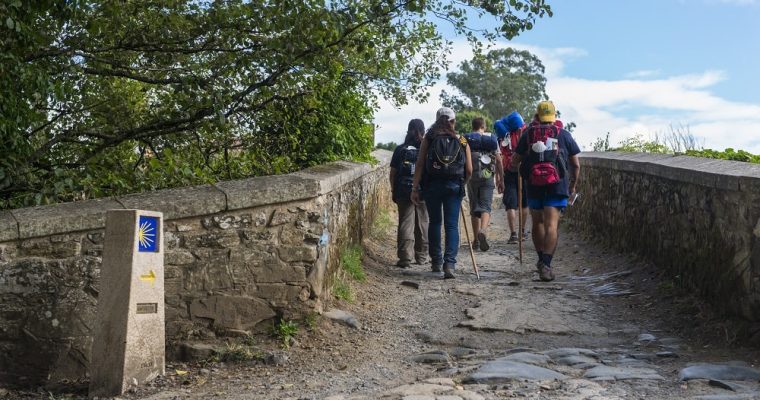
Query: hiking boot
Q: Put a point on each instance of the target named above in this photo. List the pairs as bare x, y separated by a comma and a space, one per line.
403, 264
483, 241
436, 268
448, 272
475, 244
545, 273
512, 238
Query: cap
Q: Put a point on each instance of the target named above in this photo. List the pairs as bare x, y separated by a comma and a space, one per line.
546, 111
514, 121
447, 112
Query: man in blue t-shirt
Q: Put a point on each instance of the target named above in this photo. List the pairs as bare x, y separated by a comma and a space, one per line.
543, 155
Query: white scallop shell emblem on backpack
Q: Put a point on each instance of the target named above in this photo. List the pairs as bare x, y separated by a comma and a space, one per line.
539, 147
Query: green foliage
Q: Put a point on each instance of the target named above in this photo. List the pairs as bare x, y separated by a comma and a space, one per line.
342, 290
351, 262
387, 146
637, 143
677, 141
465, 117
284, 331
104, 98
728, 154
498, 83
602, 144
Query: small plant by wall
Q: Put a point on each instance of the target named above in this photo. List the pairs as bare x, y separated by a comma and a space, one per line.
351, 262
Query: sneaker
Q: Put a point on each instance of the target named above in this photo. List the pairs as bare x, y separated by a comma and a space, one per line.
512, 238
420, 260
475, 244
448, 272
545, 274
403, 264
526, 236
483, 241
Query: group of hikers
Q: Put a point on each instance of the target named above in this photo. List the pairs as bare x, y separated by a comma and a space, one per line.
432, 170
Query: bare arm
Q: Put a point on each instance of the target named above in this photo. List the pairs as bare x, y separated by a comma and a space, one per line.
468, 164
576, 163
499, 167
499, 174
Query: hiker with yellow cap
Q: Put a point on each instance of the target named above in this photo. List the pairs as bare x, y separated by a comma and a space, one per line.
543, 154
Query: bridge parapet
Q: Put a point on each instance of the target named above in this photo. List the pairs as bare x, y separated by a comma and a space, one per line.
237, 254
697, 218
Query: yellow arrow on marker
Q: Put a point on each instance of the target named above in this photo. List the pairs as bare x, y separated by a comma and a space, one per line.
149, 277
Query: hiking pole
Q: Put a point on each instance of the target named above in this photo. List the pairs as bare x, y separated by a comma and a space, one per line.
520, 218
469, 243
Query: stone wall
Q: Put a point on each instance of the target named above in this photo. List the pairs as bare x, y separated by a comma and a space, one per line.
238, 254
697, 218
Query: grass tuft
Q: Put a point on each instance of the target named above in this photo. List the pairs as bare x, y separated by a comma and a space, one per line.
342, 290
285, 330
351, 262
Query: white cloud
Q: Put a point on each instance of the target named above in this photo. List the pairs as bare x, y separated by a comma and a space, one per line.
645, 73
622, 107
392, 122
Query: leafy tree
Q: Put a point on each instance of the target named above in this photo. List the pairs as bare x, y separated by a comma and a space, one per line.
498, 83
464, 121
102, 98
387, 146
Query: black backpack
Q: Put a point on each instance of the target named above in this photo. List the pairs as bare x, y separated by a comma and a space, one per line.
402, 189
446, 157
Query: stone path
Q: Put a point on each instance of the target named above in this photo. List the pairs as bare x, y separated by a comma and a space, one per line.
549, 340
591, 334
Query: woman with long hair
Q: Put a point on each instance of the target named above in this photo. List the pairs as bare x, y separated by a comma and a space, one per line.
443, 167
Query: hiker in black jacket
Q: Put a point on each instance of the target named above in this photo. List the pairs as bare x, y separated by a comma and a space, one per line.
412, 237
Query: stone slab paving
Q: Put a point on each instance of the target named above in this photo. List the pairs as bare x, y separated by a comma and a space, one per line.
509, 336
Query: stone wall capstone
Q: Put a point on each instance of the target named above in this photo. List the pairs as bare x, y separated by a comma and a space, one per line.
238, 253
697, 218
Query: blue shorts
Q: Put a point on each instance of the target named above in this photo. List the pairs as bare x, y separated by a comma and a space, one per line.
559, 202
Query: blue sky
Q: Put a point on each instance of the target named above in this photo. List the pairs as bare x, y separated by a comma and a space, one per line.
638, 67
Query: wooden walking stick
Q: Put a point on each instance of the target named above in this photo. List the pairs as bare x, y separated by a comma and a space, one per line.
520, 218
469, 243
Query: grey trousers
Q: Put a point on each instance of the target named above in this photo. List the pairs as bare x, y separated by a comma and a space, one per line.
412, 239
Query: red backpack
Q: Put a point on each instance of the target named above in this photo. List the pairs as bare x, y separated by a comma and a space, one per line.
507, 148
542, 168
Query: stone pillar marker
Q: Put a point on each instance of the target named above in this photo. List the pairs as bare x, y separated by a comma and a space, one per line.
129, 345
